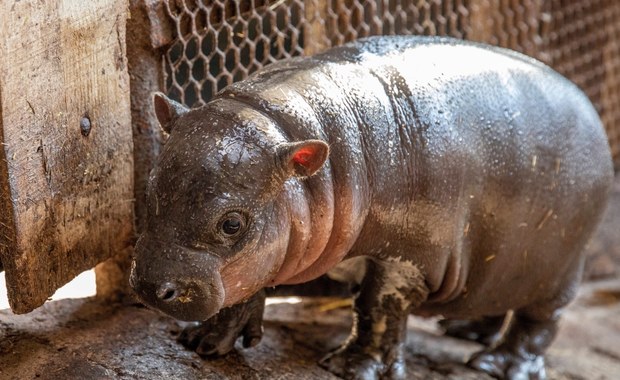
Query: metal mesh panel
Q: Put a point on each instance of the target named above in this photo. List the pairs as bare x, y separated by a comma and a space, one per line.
350, 19
578, 38
584, 45
220, 41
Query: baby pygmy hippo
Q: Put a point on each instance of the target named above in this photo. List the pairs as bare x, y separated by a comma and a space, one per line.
442, 177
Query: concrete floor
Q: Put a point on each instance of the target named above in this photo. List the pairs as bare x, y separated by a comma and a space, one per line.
82, 339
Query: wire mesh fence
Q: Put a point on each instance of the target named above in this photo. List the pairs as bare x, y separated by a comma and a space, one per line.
218, 42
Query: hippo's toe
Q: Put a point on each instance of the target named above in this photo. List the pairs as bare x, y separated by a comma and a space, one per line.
352, 364
217, 336
507, 365
207, 340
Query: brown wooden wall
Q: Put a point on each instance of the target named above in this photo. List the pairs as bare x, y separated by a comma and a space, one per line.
66, 167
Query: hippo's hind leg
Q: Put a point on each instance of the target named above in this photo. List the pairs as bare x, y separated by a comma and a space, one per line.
374, 350
521, 354
486, 330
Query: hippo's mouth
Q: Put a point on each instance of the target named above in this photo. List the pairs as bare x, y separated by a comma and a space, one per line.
186, 300
178, 281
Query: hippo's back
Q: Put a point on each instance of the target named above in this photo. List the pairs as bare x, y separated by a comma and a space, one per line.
427, 103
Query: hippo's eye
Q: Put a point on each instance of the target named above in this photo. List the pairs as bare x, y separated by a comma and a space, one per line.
232, 224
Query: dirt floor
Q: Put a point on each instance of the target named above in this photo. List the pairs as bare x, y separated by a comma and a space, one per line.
83, 339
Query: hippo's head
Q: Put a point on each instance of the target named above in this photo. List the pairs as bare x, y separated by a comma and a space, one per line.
215, 232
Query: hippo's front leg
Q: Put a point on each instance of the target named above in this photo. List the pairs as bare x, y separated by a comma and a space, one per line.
218, 334
374, 350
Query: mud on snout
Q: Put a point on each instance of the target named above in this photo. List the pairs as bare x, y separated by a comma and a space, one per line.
178, 281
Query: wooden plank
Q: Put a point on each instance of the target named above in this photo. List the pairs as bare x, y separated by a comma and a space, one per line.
66, 166
481, 22
146, 77
315, 31
148, 29
153, 17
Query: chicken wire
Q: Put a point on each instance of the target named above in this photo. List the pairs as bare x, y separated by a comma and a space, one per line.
218, 42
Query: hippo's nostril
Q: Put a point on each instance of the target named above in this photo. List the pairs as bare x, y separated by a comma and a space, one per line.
167, 292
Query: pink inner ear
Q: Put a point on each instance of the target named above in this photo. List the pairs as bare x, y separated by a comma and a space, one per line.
162, 111
304, 156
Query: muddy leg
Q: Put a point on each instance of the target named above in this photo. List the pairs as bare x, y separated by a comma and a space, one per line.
520, 355
485, 331
374, 349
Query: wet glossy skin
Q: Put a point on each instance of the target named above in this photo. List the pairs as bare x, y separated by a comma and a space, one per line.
467, 178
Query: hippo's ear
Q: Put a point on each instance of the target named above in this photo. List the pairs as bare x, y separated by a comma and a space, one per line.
303, 158
167, 110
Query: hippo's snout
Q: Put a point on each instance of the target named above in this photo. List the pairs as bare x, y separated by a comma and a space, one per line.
180, 282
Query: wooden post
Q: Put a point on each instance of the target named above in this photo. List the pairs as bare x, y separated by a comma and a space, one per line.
148, 32
66, 166
315, 31
481, 22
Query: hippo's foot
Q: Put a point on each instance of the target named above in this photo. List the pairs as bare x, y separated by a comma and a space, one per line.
507, 365
375, 348
485, 331
217, 335
520, 355
351, 362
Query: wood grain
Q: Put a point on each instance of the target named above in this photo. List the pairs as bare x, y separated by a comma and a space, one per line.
65, 193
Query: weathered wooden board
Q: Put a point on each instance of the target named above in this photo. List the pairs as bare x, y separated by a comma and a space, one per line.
148, 30
66, 166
